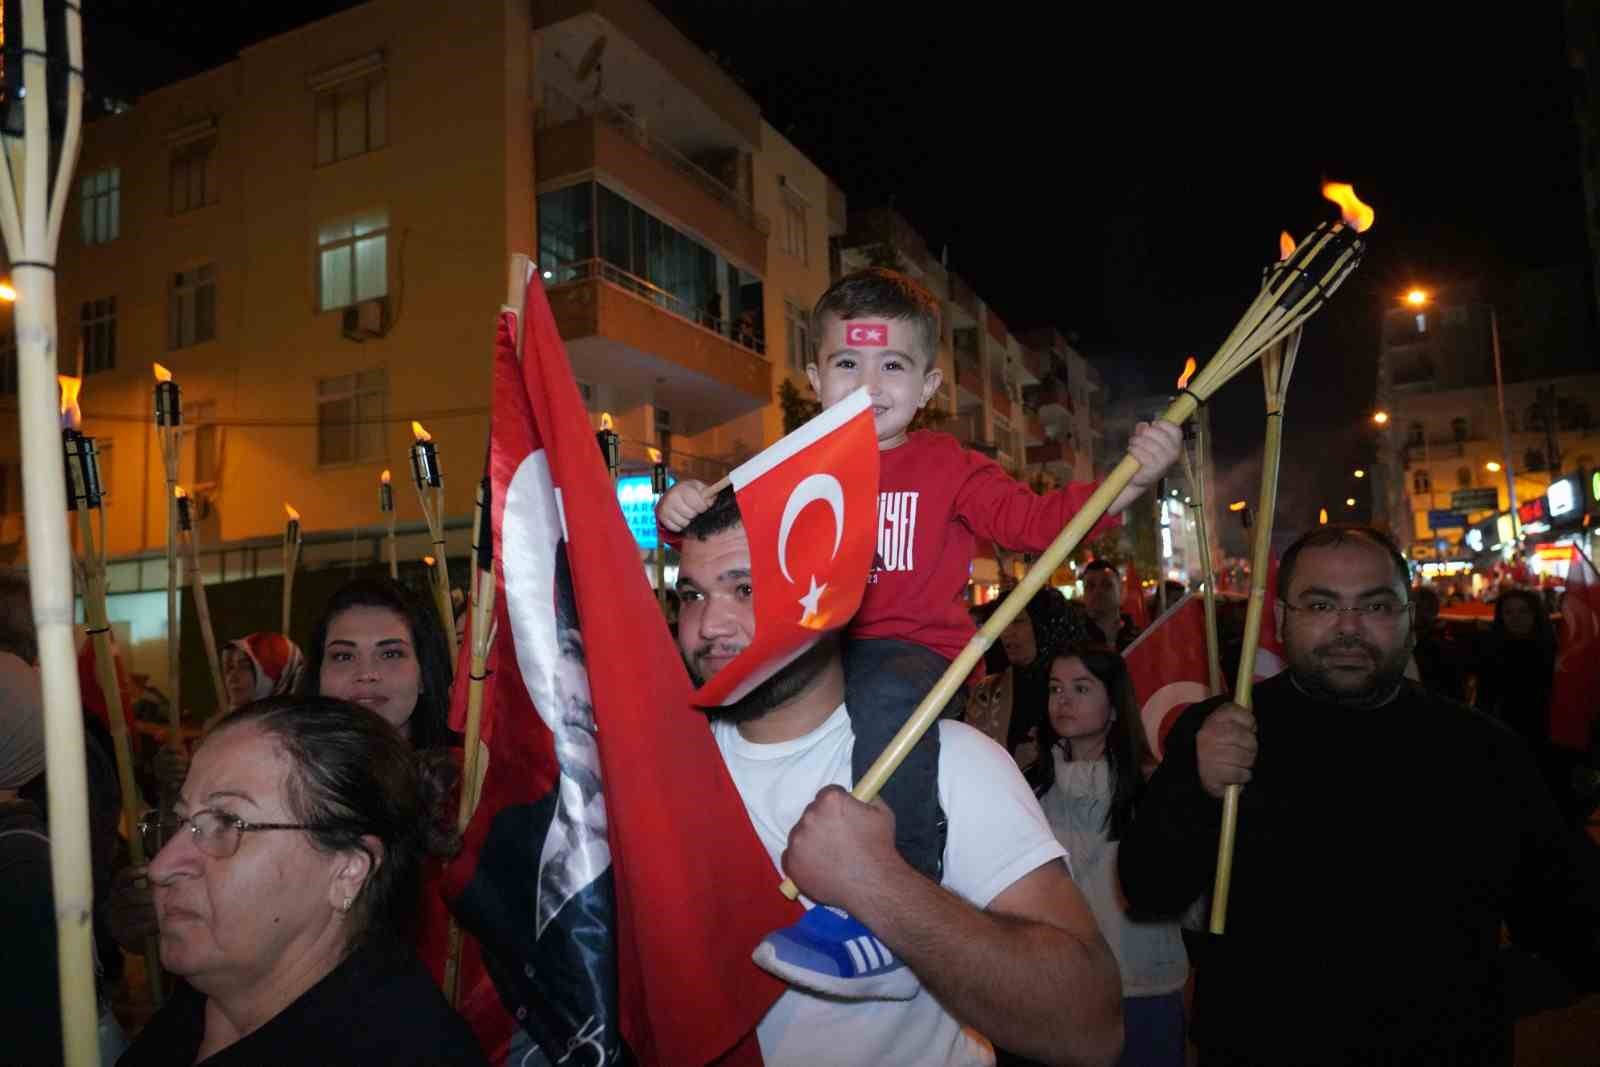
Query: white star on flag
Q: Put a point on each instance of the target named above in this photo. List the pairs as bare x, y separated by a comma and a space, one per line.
811, 600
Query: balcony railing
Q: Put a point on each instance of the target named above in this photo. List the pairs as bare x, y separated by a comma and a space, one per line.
560, 108
742, 332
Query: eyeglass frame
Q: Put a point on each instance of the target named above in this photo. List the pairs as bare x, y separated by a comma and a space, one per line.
241, 826
1360, 611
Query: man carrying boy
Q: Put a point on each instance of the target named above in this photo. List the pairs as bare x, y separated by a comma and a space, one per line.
879, 330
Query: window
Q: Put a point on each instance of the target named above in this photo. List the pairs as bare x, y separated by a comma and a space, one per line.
1420, 482
797, 325
1463, 477
192, 307
11, 487
352, 118
100, 206
794, 228
8, 364
350, 413
200, 425
1416, 434
1533, 460
1458, 428
353, 260
192, 176
97, 334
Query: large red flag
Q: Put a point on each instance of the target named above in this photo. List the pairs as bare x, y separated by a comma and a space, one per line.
808, 564
610, 871
1573, 697
1168, 666
1270, 655
1133, 605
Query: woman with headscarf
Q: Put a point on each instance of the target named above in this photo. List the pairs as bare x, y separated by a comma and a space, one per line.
259, 666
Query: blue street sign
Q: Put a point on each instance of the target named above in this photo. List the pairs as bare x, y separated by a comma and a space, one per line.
638, 502
1444, 520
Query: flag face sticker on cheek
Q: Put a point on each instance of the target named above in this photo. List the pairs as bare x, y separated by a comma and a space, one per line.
809, 504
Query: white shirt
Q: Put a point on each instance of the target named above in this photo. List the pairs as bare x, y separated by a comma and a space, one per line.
997, 835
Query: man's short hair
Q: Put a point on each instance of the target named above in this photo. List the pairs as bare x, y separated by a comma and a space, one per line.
888, 294
723, 514
1339, 534
1102, 565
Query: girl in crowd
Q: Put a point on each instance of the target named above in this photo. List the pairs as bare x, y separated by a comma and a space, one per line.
1516, 667
1090, 779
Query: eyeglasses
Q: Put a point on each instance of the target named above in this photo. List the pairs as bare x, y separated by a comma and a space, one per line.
216, 833
1326, 610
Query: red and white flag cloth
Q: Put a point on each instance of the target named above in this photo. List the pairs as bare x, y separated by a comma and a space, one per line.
1573, 698
610, 871
809, 505
1133, 603
1167, 664
1270, 656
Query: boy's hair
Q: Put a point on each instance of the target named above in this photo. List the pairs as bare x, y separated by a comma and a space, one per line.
723, 514
889, 294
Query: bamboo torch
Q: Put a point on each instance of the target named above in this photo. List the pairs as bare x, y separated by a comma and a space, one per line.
202, 607
658, 487
32, 205
610, 445
430, 481
83, 498
1296, 289
386, 506
291, 560
169, 429
1207, 569
1277, 365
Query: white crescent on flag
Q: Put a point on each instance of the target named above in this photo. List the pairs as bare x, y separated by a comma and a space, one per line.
823, 487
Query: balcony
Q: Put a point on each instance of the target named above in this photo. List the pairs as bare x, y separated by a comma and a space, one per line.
1000, 400
1051, 452
969, 382
1033, 428
1050, 399
607, 143
624, 332
1035, 365
962, 296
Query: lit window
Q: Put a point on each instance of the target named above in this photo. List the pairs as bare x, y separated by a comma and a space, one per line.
192, 307
353, 261
798, 323
794, 228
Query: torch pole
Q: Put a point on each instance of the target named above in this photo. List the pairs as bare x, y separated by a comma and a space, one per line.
31, 236
291, 563
1207, 568
389, 546
202, 613
169, 456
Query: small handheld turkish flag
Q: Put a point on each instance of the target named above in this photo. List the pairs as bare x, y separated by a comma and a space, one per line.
1167, 664
809, 505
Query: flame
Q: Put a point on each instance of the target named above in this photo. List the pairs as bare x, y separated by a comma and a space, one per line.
162, 373
179, 492
1356, 215
294, 516
429, 561
71, 415
1188, 372
655, 454
418, 432
605, 421
384, 477
1322, 516
1285, 245
1238, 505
7, 293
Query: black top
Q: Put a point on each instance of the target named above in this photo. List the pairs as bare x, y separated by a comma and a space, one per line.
30, 1016
378, 1006
1126, 632
1377, 853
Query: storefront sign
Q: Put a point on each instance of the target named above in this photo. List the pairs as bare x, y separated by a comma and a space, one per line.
1475, 500
1446, 520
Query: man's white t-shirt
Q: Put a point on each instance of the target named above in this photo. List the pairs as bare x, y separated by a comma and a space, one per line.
997, 835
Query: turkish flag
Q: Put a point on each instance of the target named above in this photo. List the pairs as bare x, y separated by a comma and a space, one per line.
1270, 655
610, 871
1577, 680
809, 505
1133, 605
1167, 664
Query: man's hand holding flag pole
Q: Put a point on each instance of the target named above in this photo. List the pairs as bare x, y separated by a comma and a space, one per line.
1297, 287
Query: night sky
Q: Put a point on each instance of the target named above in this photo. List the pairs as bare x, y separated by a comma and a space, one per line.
1121, 172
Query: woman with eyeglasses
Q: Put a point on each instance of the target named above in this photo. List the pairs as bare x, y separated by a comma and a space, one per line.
285, 886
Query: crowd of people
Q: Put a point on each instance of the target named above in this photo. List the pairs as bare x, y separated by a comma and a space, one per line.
1026, 892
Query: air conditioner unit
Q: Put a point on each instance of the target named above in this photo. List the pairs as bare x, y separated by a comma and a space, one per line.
369, 318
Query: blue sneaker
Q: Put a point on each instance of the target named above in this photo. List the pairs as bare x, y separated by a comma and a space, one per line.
829, 952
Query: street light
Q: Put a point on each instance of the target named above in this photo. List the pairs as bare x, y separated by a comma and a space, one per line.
1492, 467
1417, 297
1359, 473
1380, 417
1349, 501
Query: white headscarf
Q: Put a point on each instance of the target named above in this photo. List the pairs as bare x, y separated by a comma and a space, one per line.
21, 723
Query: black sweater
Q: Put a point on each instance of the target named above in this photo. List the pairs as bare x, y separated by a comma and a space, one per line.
1378, 852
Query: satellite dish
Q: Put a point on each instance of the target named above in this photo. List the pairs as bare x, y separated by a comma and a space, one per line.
590, 63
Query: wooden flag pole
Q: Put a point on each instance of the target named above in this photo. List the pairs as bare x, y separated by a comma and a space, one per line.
1276, 367
32, 235
1295, 291
482, 592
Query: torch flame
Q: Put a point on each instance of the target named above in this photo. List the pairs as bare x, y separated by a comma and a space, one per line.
605, 420
162, 373
179, 492
1285, 245
1356, 215
428, 560
1188, 372
655, 454
71, 416
418, 432
294, 516
384, 477
1322, 516
1238, 505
